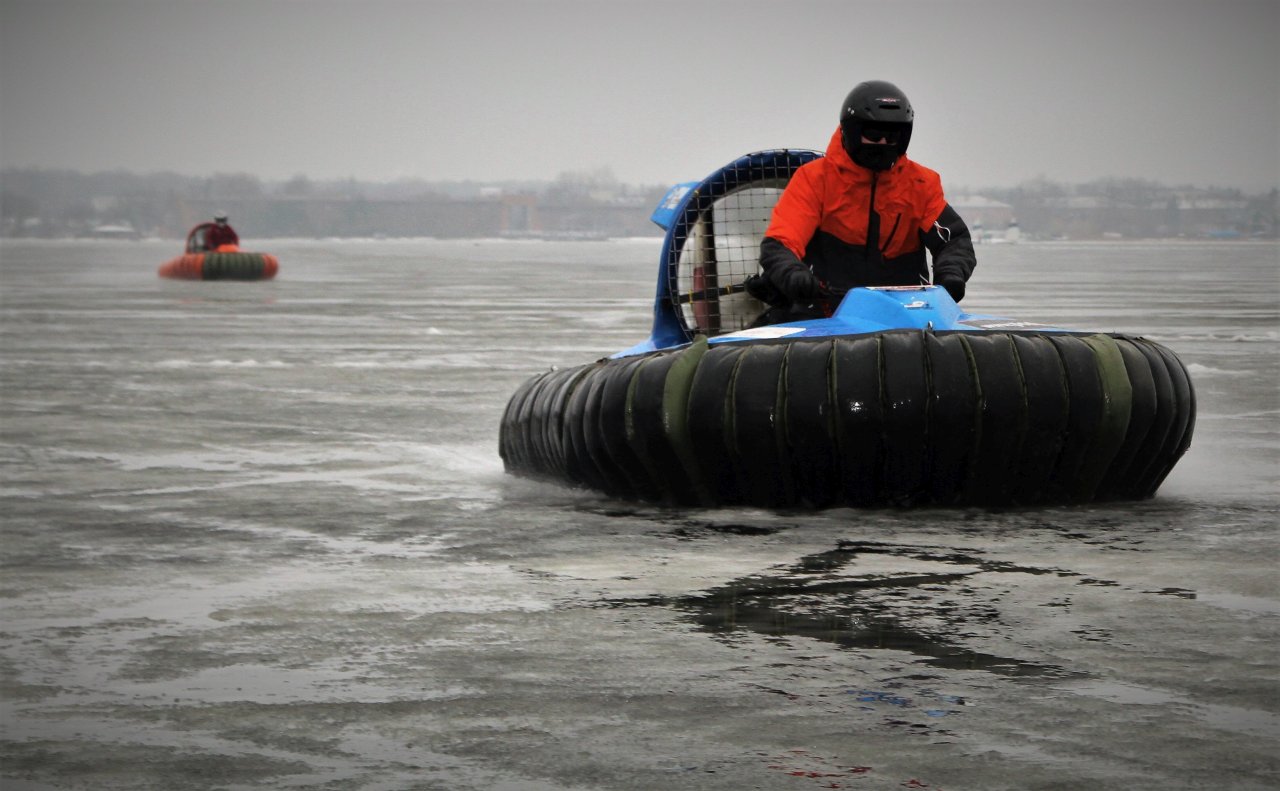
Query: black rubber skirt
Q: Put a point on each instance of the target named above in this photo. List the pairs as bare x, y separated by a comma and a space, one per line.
901, 418
239, 266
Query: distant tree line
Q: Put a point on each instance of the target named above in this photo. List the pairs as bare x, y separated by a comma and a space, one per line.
1139, 208
62, 203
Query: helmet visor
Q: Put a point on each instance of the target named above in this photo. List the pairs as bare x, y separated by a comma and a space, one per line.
880, 133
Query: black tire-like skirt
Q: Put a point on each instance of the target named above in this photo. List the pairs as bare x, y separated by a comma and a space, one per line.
896, 418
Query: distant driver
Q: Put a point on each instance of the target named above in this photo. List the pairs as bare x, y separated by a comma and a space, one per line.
220, 233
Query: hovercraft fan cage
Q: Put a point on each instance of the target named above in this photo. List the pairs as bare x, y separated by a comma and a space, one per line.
714, 229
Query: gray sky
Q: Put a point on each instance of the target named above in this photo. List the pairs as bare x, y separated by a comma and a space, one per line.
660, 91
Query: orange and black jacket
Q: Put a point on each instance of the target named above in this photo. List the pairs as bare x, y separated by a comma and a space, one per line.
857, 227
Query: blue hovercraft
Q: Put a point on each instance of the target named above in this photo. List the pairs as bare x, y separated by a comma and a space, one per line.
900, 398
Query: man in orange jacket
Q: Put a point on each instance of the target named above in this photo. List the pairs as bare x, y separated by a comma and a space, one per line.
863, 215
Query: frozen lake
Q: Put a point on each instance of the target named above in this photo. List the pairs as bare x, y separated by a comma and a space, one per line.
257, 535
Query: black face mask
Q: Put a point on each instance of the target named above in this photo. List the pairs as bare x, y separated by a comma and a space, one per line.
875, 156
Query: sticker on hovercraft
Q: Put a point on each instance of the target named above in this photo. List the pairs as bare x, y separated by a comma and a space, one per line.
672, 199
1003, 324
765, 332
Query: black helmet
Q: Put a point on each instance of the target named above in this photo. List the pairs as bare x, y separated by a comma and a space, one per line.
878, 111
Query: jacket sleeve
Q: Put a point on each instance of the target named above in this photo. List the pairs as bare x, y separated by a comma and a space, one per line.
798, 211
951, 246
794, 220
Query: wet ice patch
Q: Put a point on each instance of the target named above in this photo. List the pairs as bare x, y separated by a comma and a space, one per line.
1250, 604
458, 360
221, 363
1215, 715
413, 469
329, 682
1197, 369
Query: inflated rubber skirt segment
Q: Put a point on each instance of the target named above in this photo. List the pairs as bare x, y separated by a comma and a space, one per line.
221, 266
897, 418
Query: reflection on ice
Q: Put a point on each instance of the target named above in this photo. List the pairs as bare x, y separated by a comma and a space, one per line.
907, 605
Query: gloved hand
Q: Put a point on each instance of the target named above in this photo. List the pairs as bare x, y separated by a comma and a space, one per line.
797, 282
954, 284
764, 290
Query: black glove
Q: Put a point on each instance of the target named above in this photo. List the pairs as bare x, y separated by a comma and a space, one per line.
954, 284
765, 291
797, 282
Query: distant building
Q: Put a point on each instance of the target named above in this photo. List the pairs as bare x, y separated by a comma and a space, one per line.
988, 219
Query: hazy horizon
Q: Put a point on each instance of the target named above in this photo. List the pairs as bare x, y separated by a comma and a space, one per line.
1170, 91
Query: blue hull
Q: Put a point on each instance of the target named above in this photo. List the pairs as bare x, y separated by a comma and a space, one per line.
871, 310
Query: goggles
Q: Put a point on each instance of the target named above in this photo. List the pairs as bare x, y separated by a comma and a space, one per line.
881, 134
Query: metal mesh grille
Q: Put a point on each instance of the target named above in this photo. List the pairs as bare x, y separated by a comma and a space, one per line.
718, 247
